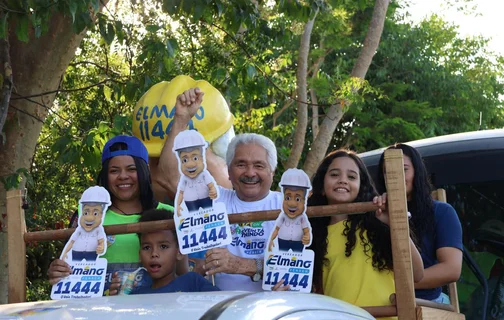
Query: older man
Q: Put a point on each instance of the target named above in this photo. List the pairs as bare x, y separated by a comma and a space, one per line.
251, 160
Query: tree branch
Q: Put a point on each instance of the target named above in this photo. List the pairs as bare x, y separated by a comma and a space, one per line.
107, 70
318, 62
302, 112
319, 147
67, 90
249, 56
279, 112
7, 83
313, 95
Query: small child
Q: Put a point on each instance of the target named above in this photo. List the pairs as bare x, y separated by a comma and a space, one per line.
159, 254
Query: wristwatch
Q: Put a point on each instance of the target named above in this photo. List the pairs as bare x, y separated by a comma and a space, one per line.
258, 275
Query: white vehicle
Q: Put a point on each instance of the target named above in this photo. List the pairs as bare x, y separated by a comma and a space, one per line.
187, 306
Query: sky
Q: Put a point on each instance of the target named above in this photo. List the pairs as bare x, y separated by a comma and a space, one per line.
486, 21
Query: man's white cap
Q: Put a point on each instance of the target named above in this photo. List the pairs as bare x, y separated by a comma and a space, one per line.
96, 194
189, 139
295, 178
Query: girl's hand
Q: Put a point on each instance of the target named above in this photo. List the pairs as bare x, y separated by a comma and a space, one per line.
382, 213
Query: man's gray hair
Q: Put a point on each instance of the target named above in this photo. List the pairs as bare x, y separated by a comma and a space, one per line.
253, 138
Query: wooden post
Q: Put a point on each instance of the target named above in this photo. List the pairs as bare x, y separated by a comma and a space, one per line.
399, 233
16, 247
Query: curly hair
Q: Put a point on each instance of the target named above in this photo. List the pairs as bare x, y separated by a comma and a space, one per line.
420, 202
377, 246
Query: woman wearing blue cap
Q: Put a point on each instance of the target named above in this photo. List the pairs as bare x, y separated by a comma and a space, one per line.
125, 174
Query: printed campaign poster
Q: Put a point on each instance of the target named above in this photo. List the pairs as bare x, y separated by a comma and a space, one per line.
82, 252
287, 258
201, 222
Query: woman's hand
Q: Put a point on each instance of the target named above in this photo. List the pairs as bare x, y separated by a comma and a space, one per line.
58, 269
382, 213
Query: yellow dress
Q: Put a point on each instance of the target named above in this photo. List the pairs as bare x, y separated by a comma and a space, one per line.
353, 279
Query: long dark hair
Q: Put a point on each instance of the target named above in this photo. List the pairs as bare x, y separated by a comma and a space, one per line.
420, 204
144, 181
377, 246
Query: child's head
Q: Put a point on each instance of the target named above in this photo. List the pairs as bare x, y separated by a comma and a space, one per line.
342, 177
158, 250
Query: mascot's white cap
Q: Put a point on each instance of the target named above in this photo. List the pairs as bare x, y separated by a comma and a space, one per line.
189, 139
295, 178
96, 194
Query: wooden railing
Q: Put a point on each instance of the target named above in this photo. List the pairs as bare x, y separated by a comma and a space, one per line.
403, 303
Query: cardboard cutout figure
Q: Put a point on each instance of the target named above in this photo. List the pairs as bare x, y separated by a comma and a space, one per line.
287, 257
82, 251
202, 224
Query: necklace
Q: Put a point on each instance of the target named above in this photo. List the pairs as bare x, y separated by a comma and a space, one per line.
126, 214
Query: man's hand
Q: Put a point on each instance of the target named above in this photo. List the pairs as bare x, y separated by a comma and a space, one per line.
58, 269
221, 260
279, 286
179, 211
115, 284
188, 103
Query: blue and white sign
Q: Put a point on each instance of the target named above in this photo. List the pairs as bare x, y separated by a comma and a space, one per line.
201, 223
87, 280
286, 258
82, 252
203, 230
296, 270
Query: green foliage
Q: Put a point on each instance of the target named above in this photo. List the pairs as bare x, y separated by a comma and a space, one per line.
37, 14
13, 181
433, 82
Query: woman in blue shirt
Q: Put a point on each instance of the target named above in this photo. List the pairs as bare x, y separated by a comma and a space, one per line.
435, 225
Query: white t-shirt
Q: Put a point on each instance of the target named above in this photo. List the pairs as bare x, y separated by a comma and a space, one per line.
249, 239
291, 229
87, 241
195, 188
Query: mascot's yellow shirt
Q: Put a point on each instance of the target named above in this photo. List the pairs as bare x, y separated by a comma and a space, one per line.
353, 279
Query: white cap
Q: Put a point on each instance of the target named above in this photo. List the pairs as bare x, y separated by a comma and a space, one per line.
295, 178
96, 194
189, 139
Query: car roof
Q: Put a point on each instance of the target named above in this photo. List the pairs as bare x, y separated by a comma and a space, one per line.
180, 305
458, 142
452, 159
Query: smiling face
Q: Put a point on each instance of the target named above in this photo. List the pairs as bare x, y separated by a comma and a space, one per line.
159, 254
342, 181
250, 172
191, 162
91, 216
123, 178
294, 202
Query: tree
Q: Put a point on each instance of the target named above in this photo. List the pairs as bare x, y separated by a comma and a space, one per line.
432, 82
38, 43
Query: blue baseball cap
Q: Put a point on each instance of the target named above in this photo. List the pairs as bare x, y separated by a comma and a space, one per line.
134, 148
